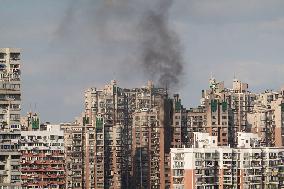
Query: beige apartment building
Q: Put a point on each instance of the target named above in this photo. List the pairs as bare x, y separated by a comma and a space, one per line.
179, 121
10, 130
106, 112
224, 112
124, 138
80, 156
112, 111
147, 149
266, 119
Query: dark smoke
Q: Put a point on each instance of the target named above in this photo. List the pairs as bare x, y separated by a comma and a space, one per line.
111, 27
161, 50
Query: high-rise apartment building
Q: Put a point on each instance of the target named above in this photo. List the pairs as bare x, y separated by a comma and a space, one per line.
206, 165
107, 111
111, 111
224, 111
124, 138
80, 157
179, 121
260, 113
267, 117
10, 130
42, 157
216, 106
147, 150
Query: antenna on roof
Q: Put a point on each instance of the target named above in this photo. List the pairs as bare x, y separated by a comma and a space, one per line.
211, 75
235, 76
30, 107
35, 108
114, 75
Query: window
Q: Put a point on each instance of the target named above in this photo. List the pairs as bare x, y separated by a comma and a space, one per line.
198, 163
15, 56
15, 157
15, 117
91, 136
178, 172
178, 164
179, 156
2, 55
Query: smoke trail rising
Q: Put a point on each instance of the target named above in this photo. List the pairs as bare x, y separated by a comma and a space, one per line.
161, 50
133, 30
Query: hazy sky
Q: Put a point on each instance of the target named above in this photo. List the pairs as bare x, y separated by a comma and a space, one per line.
70, 45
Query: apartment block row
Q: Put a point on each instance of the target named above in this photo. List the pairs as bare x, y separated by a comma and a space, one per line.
133, 130
62, 156
224, 112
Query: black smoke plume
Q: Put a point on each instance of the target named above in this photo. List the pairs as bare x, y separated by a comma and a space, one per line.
161, 50
131, 35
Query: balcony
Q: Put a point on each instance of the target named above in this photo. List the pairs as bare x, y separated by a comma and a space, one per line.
3, 172
14, 61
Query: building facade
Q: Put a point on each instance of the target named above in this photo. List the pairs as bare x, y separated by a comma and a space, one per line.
42, 158
206, 165
124, 138
10, 100
111, 111
266, 118
148, 152
224, 112
80, 160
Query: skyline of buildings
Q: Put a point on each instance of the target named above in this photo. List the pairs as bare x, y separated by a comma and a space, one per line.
159, 123
143, 138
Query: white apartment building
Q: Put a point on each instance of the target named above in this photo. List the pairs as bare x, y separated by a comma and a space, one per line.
42, 158
206, 165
